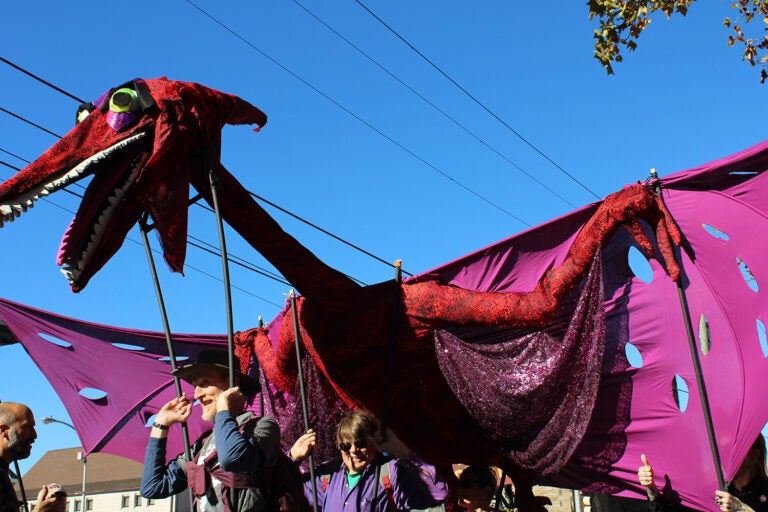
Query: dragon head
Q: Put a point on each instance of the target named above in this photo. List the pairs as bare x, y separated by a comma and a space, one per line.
143, 142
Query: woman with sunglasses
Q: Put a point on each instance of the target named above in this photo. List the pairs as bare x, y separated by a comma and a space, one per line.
405, 482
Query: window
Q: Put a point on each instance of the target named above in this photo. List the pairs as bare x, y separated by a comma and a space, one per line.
125, 501
137, 500
77, 505
150, 502
88, 504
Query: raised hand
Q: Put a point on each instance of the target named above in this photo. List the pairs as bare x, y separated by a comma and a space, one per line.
304, 445
729, 503
645, 476
50, 502
231, 400
175, 411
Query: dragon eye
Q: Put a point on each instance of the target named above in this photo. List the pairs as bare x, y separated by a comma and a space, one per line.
123, 100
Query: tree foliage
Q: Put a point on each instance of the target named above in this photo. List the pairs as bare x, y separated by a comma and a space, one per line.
622, 22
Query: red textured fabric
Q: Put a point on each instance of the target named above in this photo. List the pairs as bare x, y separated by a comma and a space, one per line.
280, 369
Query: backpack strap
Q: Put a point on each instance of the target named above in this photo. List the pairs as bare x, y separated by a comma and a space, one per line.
324, 480
386, 482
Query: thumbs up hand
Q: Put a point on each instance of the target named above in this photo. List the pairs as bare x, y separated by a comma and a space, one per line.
645, 476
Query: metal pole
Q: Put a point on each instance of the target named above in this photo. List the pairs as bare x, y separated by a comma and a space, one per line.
167, 329
392, 347
500, 491
577, 505
390, 367
80, 455
214, 179
303, 392
696, 362
85, 472
261, 393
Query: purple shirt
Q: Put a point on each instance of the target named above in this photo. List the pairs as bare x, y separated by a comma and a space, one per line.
415, 484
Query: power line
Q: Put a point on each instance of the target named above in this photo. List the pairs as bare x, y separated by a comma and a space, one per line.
431, 104
49, 84
377, 258
242, 263
23, 119
349, 112
360, 249
322, 230
14, 155
187, 265
488, 110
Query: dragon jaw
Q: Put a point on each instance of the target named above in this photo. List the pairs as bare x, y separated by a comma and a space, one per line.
140, 165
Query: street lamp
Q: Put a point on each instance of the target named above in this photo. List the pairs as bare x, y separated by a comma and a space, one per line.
50, 419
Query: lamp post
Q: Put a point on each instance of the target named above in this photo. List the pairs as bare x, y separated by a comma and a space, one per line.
50, 419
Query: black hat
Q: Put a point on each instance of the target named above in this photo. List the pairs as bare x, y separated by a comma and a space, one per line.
218, 360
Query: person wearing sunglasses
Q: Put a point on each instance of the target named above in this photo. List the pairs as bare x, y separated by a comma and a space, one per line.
405, 482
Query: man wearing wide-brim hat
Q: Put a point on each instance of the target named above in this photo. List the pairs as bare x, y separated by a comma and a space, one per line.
224, 461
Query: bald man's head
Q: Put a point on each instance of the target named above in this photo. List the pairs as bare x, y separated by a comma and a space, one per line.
17, 431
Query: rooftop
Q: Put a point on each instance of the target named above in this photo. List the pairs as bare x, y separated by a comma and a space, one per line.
105, 473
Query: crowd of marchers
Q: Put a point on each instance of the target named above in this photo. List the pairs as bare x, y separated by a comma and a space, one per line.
238, 466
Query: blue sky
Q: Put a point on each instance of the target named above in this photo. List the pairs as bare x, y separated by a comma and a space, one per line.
682, 99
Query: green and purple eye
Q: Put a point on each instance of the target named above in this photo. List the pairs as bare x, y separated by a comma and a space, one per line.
123, 107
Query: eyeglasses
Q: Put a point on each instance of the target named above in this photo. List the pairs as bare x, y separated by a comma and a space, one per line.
359, 444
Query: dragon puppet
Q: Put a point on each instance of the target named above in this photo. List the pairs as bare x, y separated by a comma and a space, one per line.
146, 141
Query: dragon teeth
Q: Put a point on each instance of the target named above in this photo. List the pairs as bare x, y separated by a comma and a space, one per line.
67, 273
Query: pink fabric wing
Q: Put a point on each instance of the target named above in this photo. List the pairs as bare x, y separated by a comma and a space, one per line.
721, 210
132, 376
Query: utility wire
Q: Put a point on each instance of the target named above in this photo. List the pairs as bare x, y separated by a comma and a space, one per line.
187, 265
242, 263
252, 194
349, 112
256, 268
431, 104
350, 244
308, 223
478, 102
46, 130
49, 84
14, 155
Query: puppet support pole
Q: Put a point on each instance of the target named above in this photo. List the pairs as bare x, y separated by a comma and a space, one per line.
390, 366
704, 397
214, 179
303, 392
167, 329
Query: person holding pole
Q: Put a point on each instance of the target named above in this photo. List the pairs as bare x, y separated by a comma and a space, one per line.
747, 492
225, 469
405, 481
